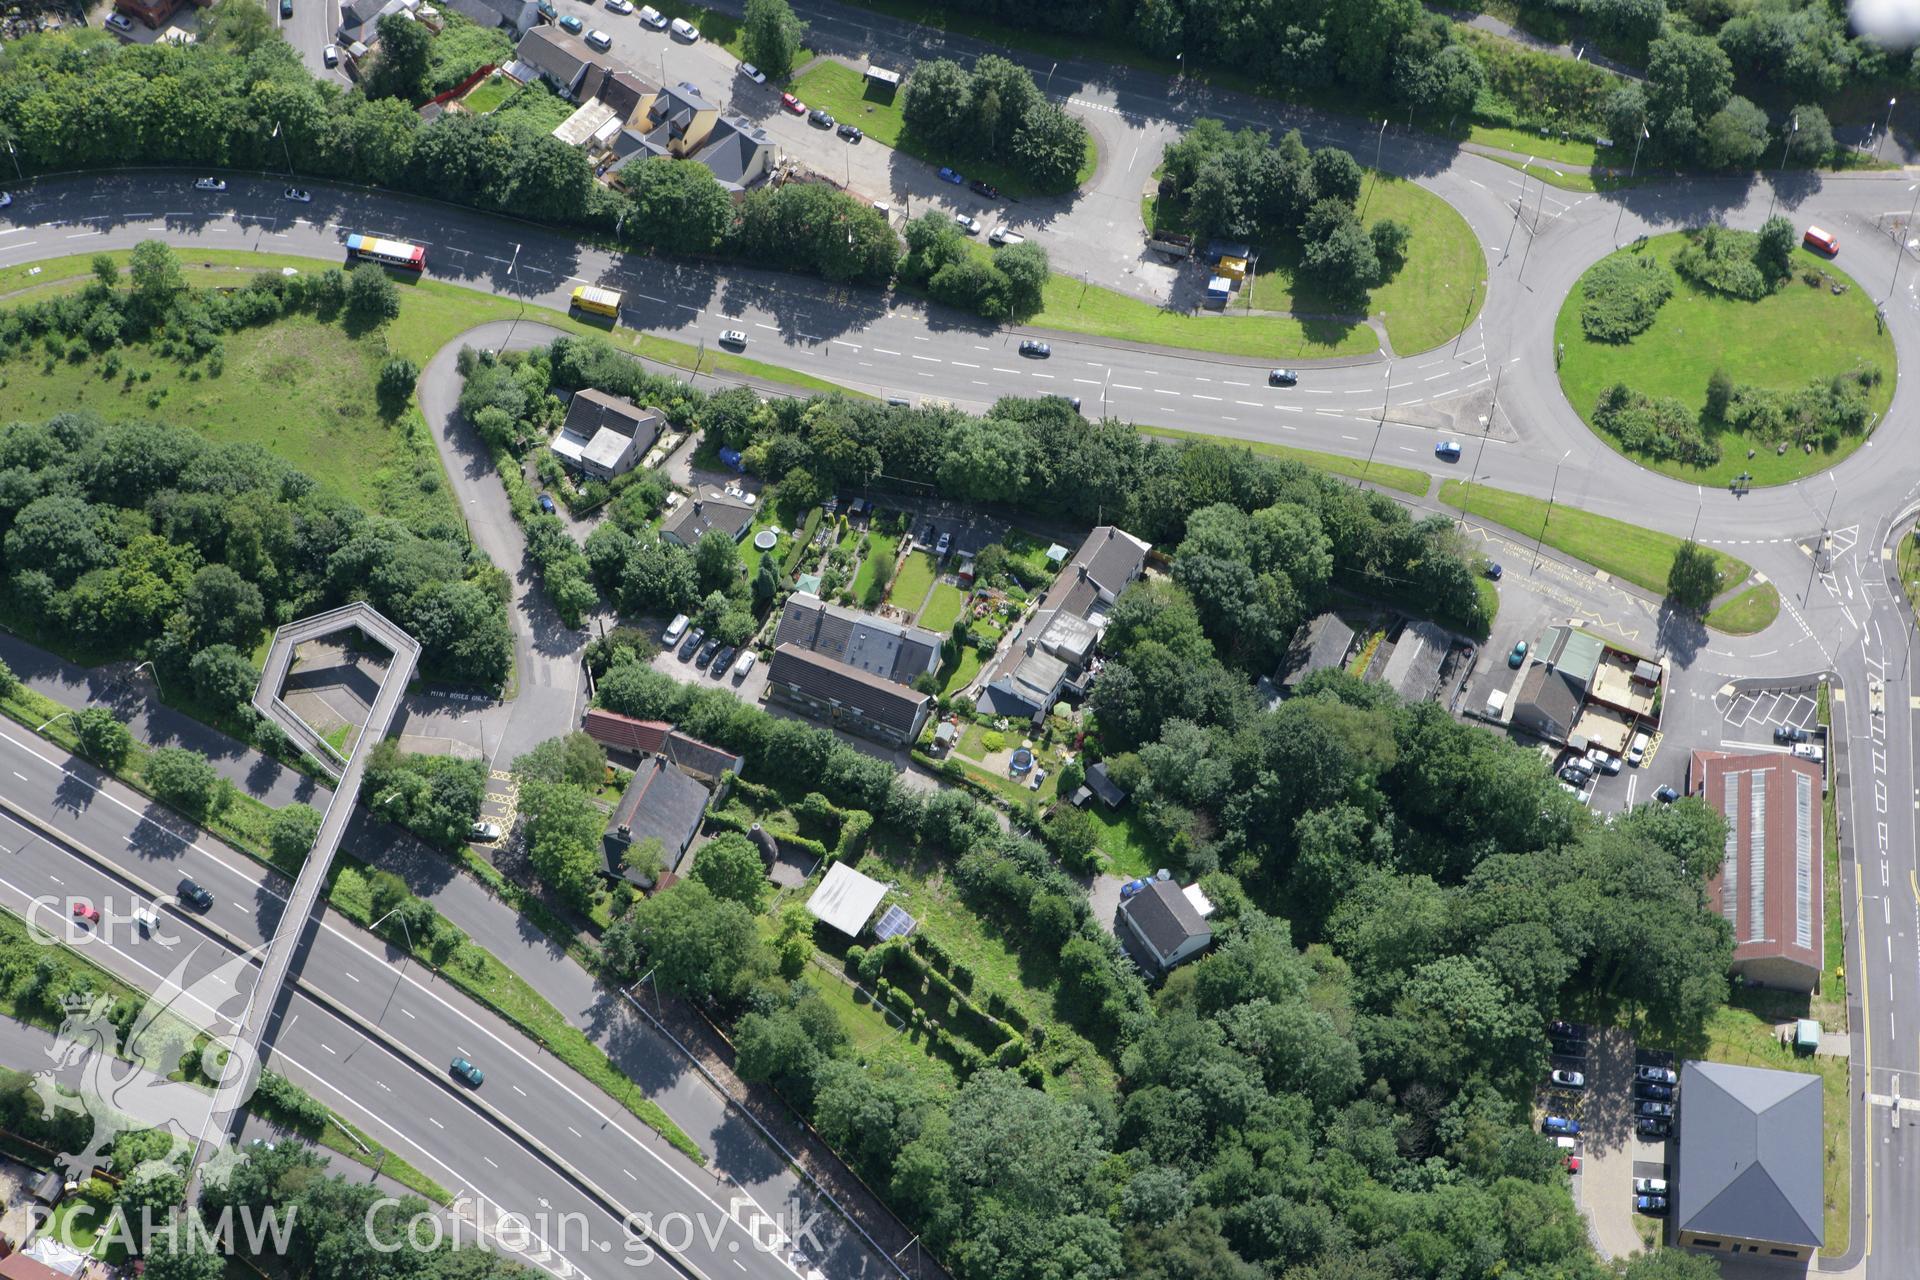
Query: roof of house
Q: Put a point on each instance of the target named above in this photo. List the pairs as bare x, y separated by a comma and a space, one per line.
1070, 636
679, 121
656, 737
1769, 884
587, 119
603, 429
881, 701
709, 511
1110, 792
1573, 651
1029, 688
1550, 695
1106, 562
555, 54
1413, 669
623, 91
1750, 1154
1321, 642
1165, 917
492, 13
846, 899
659, 802
873, 644
362, 21
18, 1266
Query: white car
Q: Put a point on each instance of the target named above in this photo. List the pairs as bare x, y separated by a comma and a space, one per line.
733, 338
600, 40
330, 55
1569, 1079
296, 195
485, 832
967, 223
119, 22
6, 199
753, 73
744, 667
1002, 236
1607, 763
1658, 1075
652, 17
621, 7
211, 184
684, 30
1649, 1186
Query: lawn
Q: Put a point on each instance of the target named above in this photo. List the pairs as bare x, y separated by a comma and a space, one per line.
1405, 479
1752, 610
1433, 296
1798, 334
876, 1037
488, 94
911, 584
961, 673
1130, 851
1638, 555
943, 608
1567, 179
80, 1221
880, 552
848, 96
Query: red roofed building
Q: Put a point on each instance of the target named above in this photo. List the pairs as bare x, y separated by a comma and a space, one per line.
1769, 885
616, 732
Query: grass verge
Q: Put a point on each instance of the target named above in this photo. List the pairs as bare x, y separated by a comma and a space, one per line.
1405, 479
1797, 334
1752, 610
1628, 552
1568, 179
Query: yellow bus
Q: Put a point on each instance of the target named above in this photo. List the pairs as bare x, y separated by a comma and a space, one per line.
592, 298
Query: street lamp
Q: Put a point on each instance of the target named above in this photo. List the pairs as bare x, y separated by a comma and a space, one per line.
1486, 429
1888, 128
1548, 517
1378, 142
1900, 243
62, 716
1520, 204
1786, 145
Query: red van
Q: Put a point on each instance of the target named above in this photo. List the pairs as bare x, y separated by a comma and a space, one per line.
1820, 242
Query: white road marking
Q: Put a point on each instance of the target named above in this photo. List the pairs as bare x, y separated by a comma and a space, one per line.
883, 351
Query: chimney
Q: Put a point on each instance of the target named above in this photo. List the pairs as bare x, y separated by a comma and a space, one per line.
696, 506
625, 830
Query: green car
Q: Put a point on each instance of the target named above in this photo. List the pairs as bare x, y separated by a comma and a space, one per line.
571, 25
1519, 654
467, 1071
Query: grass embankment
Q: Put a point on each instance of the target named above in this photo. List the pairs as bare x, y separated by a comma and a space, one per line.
1751, 611
850, 98
1405, 479
1628, 552
1796, 335
1907, 561
1567, 179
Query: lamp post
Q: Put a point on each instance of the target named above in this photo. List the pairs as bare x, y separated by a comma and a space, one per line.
1519, 204
16, 161
1546, 519
1900, 243
283, 147
64, 715
1378, 142
1049, 84
1887, 130
1486, 429
1786, 145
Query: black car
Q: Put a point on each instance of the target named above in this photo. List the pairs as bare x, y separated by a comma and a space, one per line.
1282, 378
197, 897
1035, 348
987, 189
1789, 734
1569, 1048
1566, 1030
819, 119
721, 661
707, 651
1666, 795
851, 132
1650, 1127
1648, 1089
691, 644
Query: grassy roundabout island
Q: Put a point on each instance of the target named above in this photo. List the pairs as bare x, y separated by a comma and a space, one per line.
1793, 362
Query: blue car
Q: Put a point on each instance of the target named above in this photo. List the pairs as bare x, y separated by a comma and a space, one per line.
1650, 1204
546, 503
1559, 1127
957, 179
570, 24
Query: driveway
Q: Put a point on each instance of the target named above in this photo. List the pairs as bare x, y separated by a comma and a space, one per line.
1612, 1155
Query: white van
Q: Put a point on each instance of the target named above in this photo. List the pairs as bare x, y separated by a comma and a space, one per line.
652, 17
675, 629
685, 30
744, 667
1001, 236
1637, 750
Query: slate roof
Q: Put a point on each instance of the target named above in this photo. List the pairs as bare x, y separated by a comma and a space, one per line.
659, 802
516, 14
557, 55
1111, 793
1321, 642
879, 700
872, 644
1106, 562
1552, 696
691, 519
1413, 669
1164, 916
1750, 1154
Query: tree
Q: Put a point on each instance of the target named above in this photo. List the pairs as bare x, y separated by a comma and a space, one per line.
105, 270
680, 208
395, 385
184, 1254
1693, 578
156, 275
936, 104
1773, 255
1336, 175
1389, 241
1025, 268
57, 535
1073, 834
103, 739
563, 831
238, 25
697, 945
771, 36
182, 777
645, 860
716, 557
1719, 395
372, 296
1688, 79
1809, 136
729, 865
1049, 147
1734, 136
571, 758
406, 51
225, 608
223, 678
291, 832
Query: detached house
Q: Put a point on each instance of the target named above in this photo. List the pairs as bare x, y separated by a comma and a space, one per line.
1057, 642
605, 435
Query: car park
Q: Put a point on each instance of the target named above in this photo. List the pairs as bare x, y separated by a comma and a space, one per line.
1569, 1079
1648, 1089
1648, 1107
954, 176
1659, 1075
296, 195
1447, 451
692, 643
733, 338
1649, 1186
600, 40
819, 118
1666, 795
466, 1072
754, 73
744, 667
1035, 348
330, 56
1650, 1204
211, 184
195, 896
1560, 1126
86, 913
967, 223
1517, 655
705, 655
546, 504
851, 132
721, 661
1282, 377
981, 187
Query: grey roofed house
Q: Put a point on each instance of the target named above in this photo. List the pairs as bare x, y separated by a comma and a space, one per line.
1549, 702
710, 511
846, 697
1750, 1160
604, 435
1100, 570
517, 16
1101, 783
360, 19
678, 122
1029, 690
1413, 669
562, 61
659, 802
872, 644
1321, 642
1165, 924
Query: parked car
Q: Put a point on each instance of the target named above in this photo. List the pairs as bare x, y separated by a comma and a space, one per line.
1649, 1186
211, 184
1788, 734
954, 176
820, 118
1653, 1127
1659, 1075
547, 10
1567, 1030
86, 913
296, 195
1568, 1048
1648, 1107
1607, 764
1648, 1089
466, 1072
705, 657
1574, 774
286, 8
621, 7
599, 40
1655, 1205
1569, 1079
692, 642
1637, 749
981, 187
1002, 235
330, 56
1666, 795
546, 504
1573, 1164
967, 223
1447, 451
1494, 570
1517, 655
484, 832
733, 338
1035, 348
1568, 1145
793, 104
1282, 378
675, 629
851, 132
571, 24
943, 546
1559, 1126
721, 661
195, 896
684, 30
119, 22
753, 73
649, 16
743, 668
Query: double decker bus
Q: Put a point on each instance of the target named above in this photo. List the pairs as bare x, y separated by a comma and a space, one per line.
605, 302
388, 253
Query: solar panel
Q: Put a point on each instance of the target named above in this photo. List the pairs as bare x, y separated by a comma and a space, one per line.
895, 923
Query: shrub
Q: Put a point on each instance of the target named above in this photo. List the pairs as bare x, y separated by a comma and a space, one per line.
1622, 296
1664, 428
